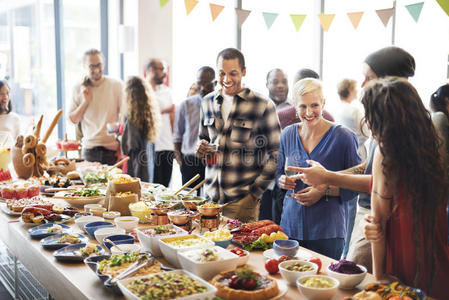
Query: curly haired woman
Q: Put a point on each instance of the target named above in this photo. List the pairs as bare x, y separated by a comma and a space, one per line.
141, 129
408, 230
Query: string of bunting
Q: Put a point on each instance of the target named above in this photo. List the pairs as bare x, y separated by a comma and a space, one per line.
298, 19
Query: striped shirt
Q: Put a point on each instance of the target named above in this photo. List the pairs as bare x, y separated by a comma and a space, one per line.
248, 145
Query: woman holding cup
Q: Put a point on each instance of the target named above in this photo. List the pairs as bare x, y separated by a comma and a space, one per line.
315, 216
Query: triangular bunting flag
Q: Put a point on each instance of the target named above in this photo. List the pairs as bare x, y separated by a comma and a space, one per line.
355, 18
190, 5
215, 10
326, 20
269, 18
415, 10
162, 3
242, 15
298, 20
385, 15
444, 5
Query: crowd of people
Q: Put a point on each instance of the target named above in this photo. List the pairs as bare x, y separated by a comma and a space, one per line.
368, 183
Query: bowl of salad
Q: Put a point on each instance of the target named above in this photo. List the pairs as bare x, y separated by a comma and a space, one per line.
81, 197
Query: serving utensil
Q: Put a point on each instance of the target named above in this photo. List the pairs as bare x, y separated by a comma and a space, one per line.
198, 186
188, 183
133, 268
114, 244
117, 164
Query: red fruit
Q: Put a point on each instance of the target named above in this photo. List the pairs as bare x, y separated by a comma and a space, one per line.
284, 258
249, 284
316, 261
272, 266
234, 283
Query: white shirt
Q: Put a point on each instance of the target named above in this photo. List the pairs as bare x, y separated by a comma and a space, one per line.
10, 123
226, 106
105, 107
165, 140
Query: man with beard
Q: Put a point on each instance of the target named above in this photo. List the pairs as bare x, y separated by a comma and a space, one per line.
155, 73
187, 123
97, 101
245, 128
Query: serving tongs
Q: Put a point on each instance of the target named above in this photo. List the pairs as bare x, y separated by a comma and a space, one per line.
133, 268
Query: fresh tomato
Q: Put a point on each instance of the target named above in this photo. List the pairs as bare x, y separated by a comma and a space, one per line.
316, 261
284, 258
238, 251
234, 282
272, 266
249, 284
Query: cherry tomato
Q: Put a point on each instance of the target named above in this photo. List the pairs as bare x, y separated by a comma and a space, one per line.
316, 261
249, 284
272, 266
284, 258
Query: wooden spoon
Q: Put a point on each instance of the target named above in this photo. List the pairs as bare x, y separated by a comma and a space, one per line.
117, 164
188, 183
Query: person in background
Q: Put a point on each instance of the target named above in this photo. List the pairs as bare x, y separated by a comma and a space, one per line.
9, 120
387, 61
155, 73
187, 123
350, 113
96, 102
193, 90
273, 198
288, 116
315, 216
245, 128
408, 228
439, 104
141, 129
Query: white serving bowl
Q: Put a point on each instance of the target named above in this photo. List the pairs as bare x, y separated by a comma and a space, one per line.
101, 233
129, 223
81, 221
317, 293
348, 281
292, 276
170, 252
209, 294
243, 259
207, 270
151, 243
87, 207
125, 248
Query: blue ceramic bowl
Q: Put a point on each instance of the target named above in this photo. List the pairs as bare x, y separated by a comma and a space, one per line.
94, 226
82, 214
223, 244
285, 247
119, 239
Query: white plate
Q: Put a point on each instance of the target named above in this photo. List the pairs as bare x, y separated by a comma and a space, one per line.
283, 288
78, 201
301, 254
7, 211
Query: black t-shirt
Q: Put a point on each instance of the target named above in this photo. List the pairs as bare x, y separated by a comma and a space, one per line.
365, 199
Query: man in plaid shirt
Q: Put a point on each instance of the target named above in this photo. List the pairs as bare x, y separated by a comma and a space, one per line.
245, 127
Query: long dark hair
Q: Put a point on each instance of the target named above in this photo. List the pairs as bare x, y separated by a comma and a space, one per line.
412, 160
438, 100
9, 108
142, 109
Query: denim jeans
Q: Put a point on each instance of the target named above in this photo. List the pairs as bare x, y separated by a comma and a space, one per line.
100, 154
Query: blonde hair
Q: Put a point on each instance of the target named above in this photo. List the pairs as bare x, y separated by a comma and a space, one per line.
304, 86
143, 110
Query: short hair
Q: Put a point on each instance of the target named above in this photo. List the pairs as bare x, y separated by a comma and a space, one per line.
231, 53
344, 87
304, 86
207, 69
273, 70
9, 108
93, 51
151, 63
305, 73
438, 100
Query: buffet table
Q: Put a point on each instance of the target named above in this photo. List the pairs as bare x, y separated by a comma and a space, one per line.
77, 281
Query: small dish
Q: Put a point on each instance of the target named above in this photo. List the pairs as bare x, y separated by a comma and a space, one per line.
111, 215
119, 239
71, 253
98, 211
40, 231
87, 207
125, 248
52, 242
102, 233
82, 221
300, 255
348, 281
314, 293
129, 223
223, 244
90, 228
291, 276
149, 237
286, 247
82, 214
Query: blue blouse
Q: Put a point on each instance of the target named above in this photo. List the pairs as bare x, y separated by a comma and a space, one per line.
337, 150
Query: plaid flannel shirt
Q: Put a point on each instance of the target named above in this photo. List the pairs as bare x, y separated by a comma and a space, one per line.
248, 145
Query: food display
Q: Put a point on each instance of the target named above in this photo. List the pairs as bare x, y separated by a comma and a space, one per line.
203, 255
298, 267
116, 264
20, 190
394, 290
95, 177
243, 284
164, 286
55, 229
37, 214
186, 241
61, 165
162, 230
238, 251
250, 235
85, 193
54, 180
19, 205
140, 210
5, 174
318, 282
120, 202
346, 267
89, 250
69, 239
363, 295
218, 235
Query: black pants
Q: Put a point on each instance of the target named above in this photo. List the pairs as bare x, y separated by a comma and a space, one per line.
192, 165
278, 203
163, 166
266, 205
100, 154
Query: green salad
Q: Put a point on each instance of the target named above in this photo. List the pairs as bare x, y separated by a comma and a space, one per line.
94, 177
85, 193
